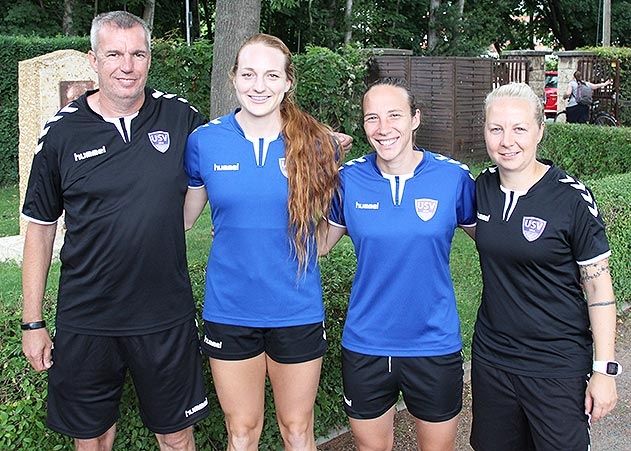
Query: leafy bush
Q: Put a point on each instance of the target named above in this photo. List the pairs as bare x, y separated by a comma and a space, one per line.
614, 202
330, 87
184, 70
588, 151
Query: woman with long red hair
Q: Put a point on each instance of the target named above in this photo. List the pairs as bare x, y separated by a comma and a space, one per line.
269, 171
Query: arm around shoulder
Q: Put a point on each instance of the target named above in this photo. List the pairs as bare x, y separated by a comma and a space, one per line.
328, 236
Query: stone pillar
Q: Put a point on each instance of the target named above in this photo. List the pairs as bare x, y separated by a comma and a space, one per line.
537, 75
46, 84
568, 63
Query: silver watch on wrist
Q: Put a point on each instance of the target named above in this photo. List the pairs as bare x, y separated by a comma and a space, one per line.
608, 367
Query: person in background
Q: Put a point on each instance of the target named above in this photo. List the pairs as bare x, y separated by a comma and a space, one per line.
577, 110
269, 172
401, 206
112, 161
543, 362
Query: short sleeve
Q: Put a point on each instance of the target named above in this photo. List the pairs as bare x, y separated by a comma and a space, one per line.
191, 161
197, 120
588, 239
336, 215
43, 202
466, 208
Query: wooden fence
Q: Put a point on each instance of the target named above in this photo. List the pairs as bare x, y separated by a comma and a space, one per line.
450, 92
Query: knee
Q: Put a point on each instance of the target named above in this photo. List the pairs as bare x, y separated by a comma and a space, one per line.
177, 441
297, 435
243, 433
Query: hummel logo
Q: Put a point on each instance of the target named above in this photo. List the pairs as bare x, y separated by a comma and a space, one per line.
226, 167
89, 154
482, 217
214, 344
348, 402
196, 408
367, 206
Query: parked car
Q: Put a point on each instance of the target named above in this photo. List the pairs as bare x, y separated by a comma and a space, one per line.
551, 92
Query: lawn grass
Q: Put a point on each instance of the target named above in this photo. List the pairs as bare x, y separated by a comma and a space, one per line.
9, 211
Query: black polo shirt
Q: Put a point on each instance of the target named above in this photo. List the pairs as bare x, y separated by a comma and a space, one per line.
121, 184
533, 319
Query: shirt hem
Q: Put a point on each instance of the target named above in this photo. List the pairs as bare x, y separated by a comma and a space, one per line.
125, 332
270, 323
402, 352
542, 374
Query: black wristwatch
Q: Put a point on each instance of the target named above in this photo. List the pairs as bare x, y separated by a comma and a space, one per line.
608, 367
34, 325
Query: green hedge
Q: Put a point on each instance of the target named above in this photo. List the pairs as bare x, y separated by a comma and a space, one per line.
614, 202
12, 50
330, 84
588, 151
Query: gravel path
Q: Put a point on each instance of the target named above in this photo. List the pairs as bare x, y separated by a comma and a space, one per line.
610, 434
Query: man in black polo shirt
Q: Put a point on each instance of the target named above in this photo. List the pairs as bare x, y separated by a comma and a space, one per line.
112, 161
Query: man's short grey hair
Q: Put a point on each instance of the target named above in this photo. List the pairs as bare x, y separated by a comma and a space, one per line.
119, 19
517, 91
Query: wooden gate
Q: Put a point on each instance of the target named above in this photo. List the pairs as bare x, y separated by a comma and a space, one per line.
596, 69
511, 70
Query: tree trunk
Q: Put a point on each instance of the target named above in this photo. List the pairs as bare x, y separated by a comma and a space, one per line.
149, 12
195, 20
67, 21
348, 16
432, 39
235, 21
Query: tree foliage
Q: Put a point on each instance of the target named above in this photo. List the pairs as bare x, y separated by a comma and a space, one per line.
460, 27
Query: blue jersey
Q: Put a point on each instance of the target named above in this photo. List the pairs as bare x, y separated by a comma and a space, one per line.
402, 301
252, 277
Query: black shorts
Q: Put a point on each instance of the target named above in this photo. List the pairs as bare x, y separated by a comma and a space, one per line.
431, 386
86, 380
527, 413
295, 344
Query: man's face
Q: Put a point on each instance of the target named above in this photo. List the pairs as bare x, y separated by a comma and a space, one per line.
121, 62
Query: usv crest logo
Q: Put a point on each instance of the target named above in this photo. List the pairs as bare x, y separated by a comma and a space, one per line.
532, 227
425, 208
160, 140
283, 166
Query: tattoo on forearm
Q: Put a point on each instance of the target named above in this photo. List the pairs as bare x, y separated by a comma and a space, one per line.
591, 272
600, 304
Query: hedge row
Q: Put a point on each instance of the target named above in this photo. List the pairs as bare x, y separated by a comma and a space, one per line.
588, 151
330, 83
614, 202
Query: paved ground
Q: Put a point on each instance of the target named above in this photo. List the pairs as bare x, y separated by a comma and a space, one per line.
610, 434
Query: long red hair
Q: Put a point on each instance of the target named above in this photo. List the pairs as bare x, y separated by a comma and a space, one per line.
312, 160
